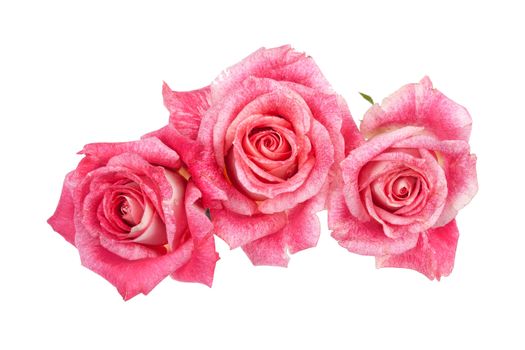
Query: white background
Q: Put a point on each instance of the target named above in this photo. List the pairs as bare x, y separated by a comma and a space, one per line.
71, 74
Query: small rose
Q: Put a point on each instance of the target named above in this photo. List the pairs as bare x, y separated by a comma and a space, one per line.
402, 189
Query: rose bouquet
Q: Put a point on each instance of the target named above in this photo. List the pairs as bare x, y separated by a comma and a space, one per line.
252, 158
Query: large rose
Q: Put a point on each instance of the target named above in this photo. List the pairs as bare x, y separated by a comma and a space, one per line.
401, 190
261, 141
135, 218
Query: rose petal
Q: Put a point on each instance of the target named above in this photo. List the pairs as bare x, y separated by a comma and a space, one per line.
201, 266
324, 158
130, 277
352, 164
301, 232
186, 109
150, 149
238, 230
366, 238
62, 219
280, 63
433, 255
419, 105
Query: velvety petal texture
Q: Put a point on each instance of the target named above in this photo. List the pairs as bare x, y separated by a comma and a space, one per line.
266, 150
135, 218
399, 192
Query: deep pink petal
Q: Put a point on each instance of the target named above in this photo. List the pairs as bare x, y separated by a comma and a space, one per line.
186, 109
280, 63
62, 219
419, 105
130, 277
433, 255
201, 266
150, 149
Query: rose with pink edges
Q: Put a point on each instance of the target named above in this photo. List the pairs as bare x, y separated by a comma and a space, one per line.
399, 192
262, 141
135, 218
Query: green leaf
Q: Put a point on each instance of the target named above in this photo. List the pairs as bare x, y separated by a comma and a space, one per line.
366, 97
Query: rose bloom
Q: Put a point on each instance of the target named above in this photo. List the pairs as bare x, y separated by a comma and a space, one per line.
401, 190
262, 140
135, 218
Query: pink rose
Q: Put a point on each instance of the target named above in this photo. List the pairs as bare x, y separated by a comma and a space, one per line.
261, 141
134, 217
402, 189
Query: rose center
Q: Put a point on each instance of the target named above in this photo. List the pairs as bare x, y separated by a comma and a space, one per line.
269, 140
129, 210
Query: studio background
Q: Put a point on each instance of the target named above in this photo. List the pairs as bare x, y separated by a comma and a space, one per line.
72, 73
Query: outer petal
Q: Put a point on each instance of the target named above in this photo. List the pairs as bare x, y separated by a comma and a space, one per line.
366, 238
280, 63
419, 105
301, 232
238, 230
462, 186
186, 109
201, 266
151, 149
62, 219
130, 277
433, 255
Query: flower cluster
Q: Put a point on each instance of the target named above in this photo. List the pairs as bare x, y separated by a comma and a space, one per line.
252, 158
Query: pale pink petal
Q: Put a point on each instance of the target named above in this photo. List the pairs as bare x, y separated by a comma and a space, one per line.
238, 230
301, 232
462, 185
199, 224
419, 105
433, 255
366, 238
173, 205
269, 250
186, 109
280, 63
